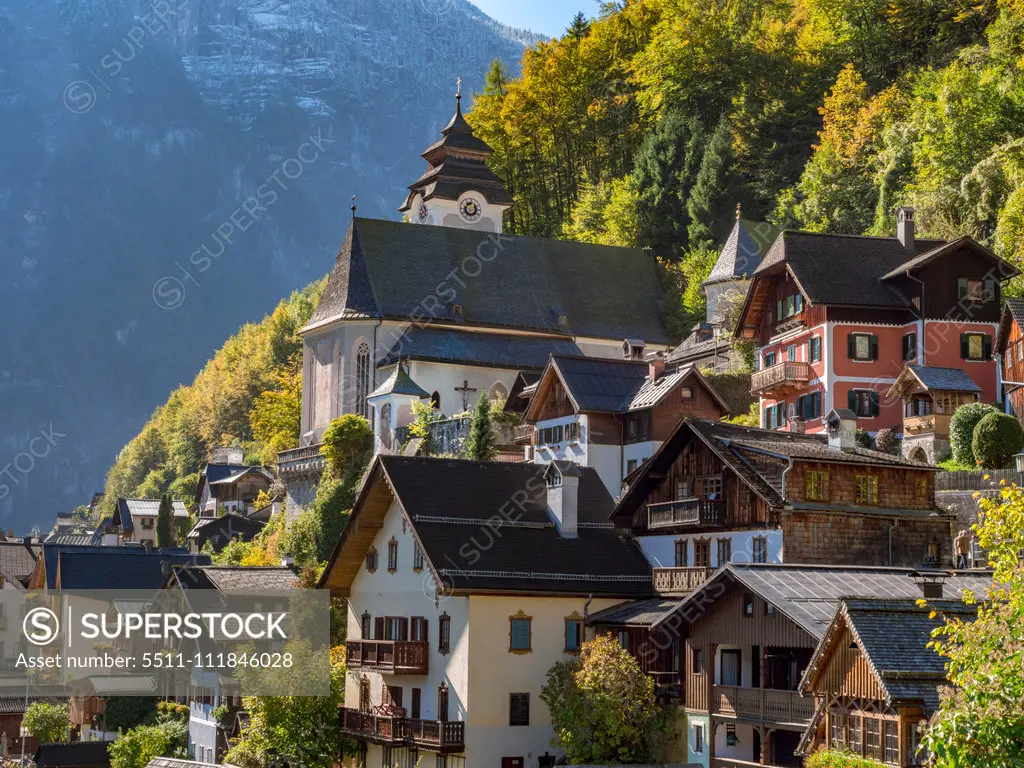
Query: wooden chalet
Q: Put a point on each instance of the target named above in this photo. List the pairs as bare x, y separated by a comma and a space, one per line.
874, 681
930, 397
1010, 347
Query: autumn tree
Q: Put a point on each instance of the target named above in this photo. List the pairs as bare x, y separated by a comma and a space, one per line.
46, 722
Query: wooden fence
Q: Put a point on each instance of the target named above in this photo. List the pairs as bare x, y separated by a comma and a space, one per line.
975, 479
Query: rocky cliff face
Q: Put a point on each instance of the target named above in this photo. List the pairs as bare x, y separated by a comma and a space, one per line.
169, 169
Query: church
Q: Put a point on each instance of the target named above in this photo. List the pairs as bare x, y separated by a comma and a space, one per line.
445, 305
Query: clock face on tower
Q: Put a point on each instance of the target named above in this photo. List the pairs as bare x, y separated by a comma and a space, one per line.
470, 209
422, 213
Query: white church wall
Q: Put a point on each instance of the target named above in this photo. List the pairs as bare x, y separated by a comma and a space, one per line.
449, 379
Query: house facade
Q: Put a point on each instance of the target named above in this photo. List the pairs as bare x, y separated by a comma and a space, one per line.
930, 396
836, 318
459, 604
135, 519
1010, 348
612, 414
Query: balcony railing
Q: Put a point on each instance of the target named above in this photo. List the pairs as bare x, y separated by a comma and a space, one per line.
433, 735
933, 422
676, 581
522, 434
399, 657
685, 512
300, 459
763, 704
781, 377
438, 735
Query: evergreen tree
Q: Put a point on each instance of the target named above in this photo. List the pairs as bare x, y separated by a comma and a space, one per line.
709, 204
164, 518
483, 440
580, 26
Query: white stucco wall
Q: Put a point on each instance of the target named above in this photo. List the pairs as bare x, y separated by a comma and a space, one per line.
660, 550
694, 720
638, 452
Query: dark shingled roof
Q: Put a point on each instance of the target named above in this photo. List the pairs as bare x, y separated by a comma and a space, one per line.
236, 578
125, 510
893, 634
843, 269
951, 379
400, 383
596, 384
451, 345
17, 561
103, 568
51, 554
527, 552
636, 613
743, 250
74, 753
386, 269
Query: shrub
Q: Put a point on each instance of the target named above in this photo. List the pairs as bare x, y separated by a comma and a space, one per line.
344, 440
834, 758
997, 437
47, 722
961, 430
483, 440
864, 439
887, 441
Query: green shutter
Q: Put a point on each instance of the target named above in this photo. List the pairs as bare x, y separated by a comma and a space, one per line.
851, 400
874, 403
851, 346
873, 348
964, 347
986, 347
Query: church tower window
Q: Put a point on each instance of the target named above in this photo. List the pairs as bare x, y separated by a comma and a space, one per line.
362, 379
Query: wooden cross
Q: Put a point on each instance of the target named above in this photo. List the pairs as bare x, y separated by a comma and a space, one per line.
466, 391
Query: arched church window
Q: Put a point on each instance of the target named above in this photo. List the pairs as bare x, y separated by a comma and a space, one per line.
499, 391
385, 425
435, 401
362, 379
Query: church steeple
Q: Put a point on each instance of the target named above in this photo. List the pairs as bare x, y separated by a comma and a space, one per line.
458, 188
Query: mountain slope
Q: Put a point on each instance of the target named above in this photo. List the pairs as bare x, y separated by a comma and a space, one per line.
170, 170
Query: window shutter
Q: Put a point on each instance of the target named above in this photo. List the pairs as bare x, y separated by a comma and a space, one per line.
767, 419
424, 630
403, 629
964, 351
874, 347
851, 400
851, 346
817, 405
986, 347
378, 628
874, 403
961, 287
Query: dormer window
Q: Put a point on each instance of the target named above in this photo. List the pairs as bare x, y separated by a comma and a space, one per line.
457, 310
633, 349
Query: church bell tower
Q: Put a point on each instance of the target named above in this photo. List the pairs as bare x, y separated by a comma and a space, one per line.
458, 189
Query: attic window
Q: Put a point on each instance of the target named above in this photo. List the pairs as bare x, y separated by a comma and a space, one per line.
554, 478
633, 349
456, 310
686, 393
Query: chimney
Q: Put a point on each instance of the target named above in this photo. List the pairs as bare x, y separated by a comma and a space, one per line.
147, 546
287, 561
797, 426
905, 227
563, 483
655, 365
227, 455
841, 425
931, 583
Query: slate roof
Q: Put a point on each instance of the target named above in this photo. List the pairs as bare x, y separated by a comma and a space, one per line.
386, 269
527, 552
743, 250
117, 567
441, 344
809, 594
125, 510
400, 383
893, 634
951, 379
70, 538
843, 269
51, 553
596, 384
17, 561
636, 613
74, 753
237, 578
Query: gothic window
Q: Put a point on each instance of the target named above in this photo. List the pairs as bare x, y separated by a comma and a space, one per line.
499, 391
435, 401
385, 425
362, 379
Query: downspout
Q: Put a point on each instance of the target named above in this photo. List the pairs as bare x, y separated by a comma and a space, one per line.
890, 530
586, 614
789, 466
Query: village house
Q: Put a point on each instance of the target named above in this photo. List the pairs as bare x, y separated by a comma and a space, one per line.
716, 493
751, 633
836, 318
464, 306
930, 396
218, 532
873, 680
135, 520
227, 484
1010, 348
465, 582
611, 414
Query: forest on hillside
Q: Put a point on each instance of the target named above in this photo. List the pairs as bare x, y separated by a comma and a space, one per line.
648, 126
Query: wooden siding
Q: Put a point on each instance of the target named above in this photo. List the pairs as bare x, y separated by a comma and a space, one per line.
1013, 367
603, 429
742, 507
555, 400
897, 488
847, 673
941, 297
673, 408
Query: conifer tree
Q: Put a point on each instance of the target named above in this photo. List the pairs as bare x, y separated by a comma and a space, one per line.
483, 439
709, 205
580, 26
164, 518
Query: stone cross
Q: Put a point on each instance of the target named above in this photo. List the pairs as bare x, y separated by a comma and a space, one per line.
466, 391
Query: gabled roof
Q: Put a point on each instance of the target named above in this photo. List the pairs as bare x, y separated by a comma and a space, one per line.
441, 344
106, 568
1006, 269
18, 560
616, 386
399, 383
447, 501
809, 594
383, 268
232, 479
228, 578
635, 613
892, 635
221, 530
1013, 312
934, 380
125, 510
757, 456
743, 250
44, 575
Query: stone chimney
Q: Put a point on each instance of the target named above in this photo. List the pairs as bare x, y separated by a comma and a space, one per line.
227, 456
905, 227
563, 483
797, 426
932, 583
841, 425
655, 365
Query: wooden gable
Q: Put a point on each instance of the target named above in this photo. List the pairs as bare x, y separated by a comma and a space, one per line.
845, 672
552, 399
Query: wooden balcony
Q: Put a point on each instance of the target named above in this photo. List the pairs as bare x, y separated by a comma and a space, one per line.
396, 657
780, 378
762, 705
937, 423
301, 460
522, 434
380, 729
685, 512
438, 735
679, 581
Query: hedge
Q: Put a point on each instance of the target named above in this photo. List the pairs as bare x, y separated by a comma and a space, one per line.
997, 438
834, 758
961, 430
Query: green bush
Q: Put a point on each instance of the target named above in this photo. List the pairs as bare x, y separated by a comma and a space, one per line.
887, 441
835, 758
47, 722
961, 430
997, 438
345, 439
